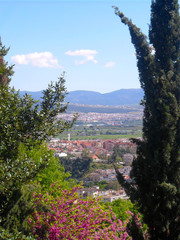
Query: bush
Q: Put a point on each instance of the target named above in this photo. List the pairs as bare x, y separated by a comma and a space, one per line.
4, 235
61, 214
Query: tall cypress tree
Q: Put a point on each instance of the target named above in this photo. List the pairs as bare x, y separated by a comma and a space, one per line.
156, 170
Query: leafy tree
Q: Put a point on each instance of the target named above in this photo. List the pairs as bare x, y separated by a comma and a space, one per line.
113, 185
25, 126
54, 172
15, 220
85, 153
77, 167
5, 71
118, 153
156, 170
102, 184
18, 171
121, 208
22, 207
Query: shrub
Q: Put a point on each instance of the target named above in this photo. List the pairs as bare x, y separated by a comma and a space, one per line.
61, 214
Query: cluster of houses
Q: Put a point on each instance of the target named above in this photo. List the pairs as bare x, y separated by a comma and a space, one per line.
107, 196
107, 174
106, 118
96, 148
100, 147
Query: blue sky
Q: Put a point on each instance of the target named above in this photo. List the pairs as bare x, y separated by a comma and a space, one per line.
83, 38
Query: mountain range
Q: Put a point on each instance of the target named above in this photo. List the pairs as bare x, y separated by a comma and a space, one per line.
119, 97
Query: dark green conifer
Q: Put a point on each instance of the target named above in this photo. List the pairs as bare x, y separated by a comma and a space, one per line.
156, 170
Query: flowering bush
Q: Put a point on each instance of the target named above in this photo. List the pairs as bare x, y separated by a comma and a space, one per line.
61, 214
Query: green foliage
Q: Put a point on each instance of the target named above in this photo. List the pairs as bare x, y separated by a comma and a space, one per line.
15, 196
118, 153
78, 167
20, 210
4, 235
54, 172
103, 136
94, 166
114, 185
85, 153
103, 185
126, 211
156, 170
25, 126
5, 71
121, 208
21, 199
16, 172
53, 104
21, 120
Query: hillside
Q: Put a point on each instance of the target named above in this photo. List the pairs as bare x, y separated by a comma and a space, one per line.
119, 97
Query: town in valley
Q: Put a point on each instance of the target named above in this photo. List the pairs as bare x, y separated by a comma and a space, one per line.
96, 136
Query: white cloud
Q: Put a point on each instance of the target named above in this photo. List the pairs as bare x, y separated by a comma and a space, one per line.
109, 64
42, 59
89, 55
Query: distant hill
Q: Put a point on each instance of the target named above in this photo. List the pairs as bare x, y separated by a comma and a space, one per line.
103, 109
119, 97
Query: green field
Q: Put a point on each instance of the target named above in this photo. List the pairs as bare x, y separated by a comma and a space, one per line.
102, 132
101, 137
